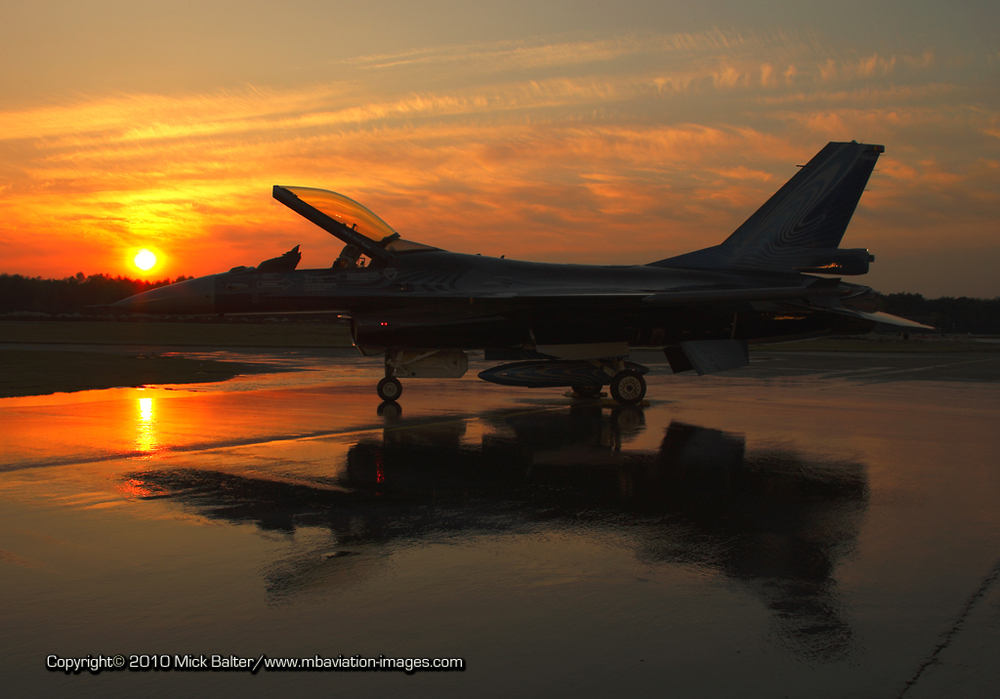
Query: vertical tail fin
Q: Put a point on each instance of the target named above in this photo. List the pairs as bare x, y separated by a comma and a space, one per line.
800, 227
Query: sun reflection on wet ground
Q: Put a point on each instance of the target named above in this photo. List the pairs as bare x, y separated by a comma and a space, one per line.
807, 535
145, 440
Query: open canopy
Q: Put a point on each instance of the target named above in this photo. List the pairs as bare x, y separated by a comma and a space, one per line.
348, 220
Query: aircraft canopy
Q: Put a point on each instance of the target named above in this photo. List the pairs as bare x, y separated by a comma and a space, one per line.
352, 216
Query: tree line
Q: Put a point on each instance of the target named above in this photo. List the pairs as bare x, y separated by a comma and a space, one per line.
948, 314
77, 293
70, 295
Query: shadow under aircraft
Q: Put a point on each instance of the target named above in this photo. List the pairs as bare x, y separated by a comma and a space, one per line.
423, 308
775, 521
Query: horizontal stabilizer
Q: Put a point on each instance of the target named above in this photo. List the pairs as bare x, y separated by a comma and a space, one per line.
881, 317
707, 356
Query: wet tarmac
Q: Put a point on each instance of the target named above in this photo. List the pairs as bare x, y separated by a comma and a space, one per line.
814, 525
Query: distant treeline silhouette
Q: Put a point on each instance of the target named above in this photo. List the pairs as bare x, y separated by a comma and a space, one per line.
69, 295
947, 314
74, 294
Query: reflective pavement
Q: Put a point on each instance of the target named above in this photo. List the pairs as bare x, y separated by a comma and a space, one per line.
811, 526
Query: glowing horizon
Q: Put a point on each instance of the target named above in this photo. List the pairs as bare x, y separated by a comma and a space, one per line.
621, 147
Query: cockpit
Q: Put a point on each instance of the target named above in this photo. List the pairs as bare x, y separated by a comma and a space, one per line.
364, 233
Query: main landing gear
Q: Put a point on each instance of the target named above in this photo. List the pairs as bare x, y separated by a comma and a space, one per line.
628, 387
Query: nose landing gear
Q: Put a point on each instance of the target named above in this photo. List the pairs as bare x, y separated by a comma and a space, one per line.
389, 389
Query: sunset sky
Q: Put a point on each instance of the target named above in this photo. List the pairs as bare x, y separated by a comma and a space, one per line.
577, 131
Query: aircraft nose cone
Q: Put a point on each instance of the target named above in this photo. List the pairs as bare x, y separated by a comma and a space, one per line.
189, 297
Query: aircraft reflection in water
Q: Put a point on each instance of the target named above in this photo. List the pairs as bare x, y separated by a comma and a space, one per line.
776, 522
423, 308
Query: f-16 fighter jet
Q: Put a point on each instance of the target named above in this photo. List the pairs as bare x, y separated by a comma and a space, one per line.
422, 309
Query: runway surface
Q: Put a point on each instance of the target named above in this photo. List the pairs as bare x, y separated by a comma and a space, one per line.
821, 525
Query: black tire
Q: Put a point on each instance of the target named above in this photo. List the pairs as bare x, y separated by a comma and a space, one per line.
628, 387
389, 389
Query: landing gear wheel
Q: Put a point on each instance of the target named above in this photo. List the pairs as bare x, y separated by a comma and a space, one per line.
389, 389
628, 387
586, 391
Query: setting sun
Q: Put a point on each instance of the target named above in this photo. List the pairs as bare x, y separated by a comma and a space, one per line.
144, 260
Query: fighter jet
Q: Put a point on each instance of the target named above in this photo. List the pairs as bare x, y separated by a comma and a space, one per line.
422, 308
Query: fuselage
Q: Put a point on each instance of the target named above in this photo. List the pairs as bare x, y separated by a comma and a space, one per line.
437, 300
